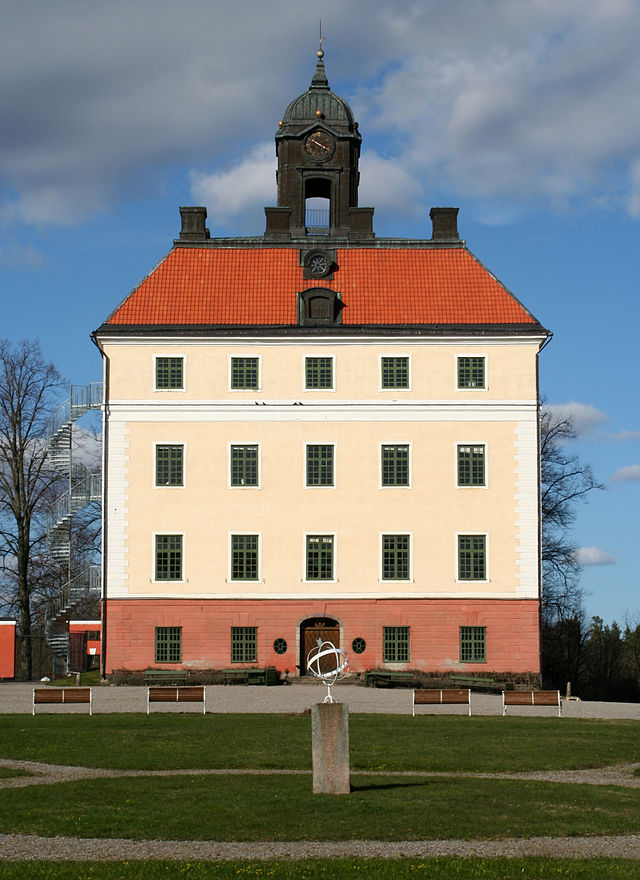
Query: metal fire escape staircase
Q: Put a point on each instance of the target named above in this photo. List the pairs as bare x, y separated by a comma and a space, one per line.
83, 488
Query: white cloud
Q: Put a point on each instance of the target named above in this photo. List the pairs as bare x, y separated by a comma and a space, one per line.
244, 188
593, 556
389, 186
626, 474
624, 436
584, 416
17, 255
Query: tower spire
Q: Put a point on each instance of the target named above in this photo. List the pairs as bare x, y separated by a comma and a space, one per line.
320, 80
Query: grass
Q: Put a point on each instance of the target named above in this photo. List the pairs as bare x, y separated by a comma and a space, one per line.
87, 679
268, 807
9, 773
378, 742
334, 869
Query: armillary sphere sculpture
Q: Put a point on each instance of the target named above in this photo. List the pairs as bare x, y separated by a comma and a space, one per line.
329, 664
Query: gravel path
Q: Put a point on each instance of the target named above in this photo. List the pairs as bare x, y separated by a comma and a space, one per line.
18, 847
17, 698
49, 774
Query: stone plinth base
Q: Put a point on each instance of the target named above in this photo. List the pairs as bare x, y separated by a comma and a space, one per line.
330, 748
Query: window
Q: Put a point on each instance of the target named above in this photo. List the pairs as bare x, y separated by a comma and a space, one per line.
168, 644
472, 557
394, 372
244, 465
168, 557
318, 373
471, 372
169, 465
358, 645
245, 373
471, 466
320, 465
395, 465
244, 557
280, 646
395, 644
319, 563
396, 557
244, 641
170, 373
473, 644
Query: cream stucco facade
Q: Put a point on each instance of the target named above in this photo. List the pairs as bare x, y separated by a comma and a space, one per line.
433, 418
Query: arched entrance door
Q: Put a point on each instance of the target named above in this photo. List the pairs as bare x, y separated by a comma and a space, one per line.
324, 628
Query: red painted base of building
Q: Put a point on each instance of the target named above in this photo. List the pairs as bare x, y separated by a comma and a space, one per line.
512, 631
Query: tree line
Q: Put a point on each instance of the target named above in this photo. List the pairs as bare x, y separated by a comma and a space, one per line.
30, 578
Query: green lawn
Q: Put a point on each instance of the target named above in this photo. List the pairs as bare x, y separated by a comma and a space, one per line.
378, 742
281, 807
7, 773
338, 869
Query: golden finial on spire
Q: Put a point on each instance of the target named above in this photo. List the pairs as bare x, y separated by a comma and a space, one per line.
320, 52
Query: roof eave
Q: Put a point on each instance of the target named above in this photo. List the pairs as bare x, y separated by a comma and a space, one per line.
532, 329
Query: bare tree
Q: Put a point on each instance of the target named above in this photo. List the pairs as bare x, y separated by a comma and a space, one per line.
565, 481
28, 385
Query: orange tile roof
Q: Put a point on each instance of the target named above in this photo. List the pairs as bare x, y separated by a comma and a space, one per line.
258, 286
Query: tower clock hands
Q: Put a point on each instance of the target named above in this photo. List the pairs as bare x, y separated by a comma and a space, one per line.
319, 144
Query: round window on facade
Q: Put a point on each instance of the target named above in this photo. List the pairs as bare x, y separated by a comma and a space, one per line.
358, 646
280, 646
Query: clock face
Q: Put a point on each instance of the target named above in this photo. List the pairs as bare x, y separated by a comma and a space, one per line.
319, 145
318, 265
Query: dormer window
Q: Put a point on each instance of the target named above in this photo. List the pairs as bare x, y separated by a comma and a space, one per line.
318, 306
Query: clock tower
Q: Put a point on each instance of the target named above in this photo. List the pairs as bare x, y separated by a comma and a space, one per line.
318, 147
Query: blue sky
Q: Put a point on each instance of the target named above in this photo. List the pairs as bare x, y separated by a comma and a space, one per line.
525, 115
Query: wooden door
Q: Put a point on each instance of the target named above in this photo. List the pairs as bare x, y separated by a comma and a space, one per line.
326, 630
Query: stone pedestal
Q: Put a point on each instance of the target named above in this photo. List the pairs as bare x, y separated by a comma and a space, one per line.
330, 748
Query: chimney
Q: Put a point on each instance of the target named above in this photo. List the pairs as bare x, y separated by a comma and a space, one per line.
445, 224
193, 224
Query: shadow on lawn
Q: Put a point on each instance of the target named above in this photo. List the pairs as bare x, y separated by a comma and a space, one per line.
383, 786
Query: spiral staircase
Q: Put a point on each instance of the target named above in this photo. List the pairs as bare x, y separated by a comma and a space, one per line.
82, 578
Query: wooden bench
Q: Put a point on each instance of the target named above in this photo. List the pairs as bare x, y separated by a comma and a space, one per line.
185, 694
388, 678
63, 696
472, 681
165, 676
531, 698
441, 697
251, 675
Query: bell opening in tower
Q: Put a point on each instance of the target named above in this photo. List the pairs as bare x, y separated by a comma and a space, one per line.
317, 206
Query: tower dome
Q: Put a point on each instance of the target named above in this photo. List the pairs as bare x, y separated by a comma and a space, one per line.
318, 104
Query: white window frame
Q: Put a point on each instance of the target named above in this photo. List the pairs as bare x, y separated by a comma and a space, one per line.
304, 374
381, 579
487, 577
157, 443
244, 488
253, 355
183, 579
322, 533
409, 366
230, 534
473, 354
409, 485
308, 443
175, 354
458, 443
